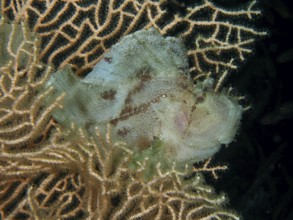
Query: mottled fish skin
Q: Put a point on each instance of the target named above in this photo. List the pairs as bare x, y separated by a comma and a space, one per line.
143, 90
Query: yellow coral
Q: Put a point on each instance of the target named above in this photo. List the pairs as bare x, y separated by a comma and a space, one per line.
46, 175
89, 179
23, 118
79, 32
80, 177
54, 175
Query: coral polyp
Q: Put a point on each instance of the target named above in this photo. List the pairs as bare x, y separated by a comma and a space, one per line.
143, 90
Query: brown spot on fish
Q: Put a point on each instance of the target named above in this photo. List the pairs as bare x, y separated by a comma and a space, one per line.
143, 143
122, 132
108, 59
109, 94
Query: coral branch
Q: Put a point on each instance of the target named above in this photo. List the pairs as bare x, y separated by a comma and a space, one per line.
79, 34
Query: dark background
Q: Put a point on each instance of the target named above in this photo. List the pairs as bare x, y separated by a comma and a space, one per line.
259, 181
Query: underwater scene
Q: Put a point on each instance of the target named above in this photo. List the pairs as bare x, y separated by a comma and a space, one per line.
146, 109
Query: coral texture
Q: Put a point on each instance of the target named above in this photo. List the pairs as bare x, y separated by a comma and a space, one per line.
79, 32
24, 120
90, 180
46, 173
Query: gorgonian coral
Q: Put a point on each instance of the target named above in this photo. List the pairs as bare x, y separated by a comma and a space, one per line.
23, 117
88, 179
80, 32
48, 173
92, 176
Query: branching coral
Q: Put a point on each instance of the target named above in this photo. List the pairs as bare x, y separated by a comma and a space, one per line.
46, 173
23, 118
90, 179
81, 176
79, 32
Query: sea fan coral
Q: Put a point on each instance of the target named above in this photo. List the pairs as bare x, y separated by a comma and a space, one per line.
86, 179
23, 118
80, 32
65, 176
48, 172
